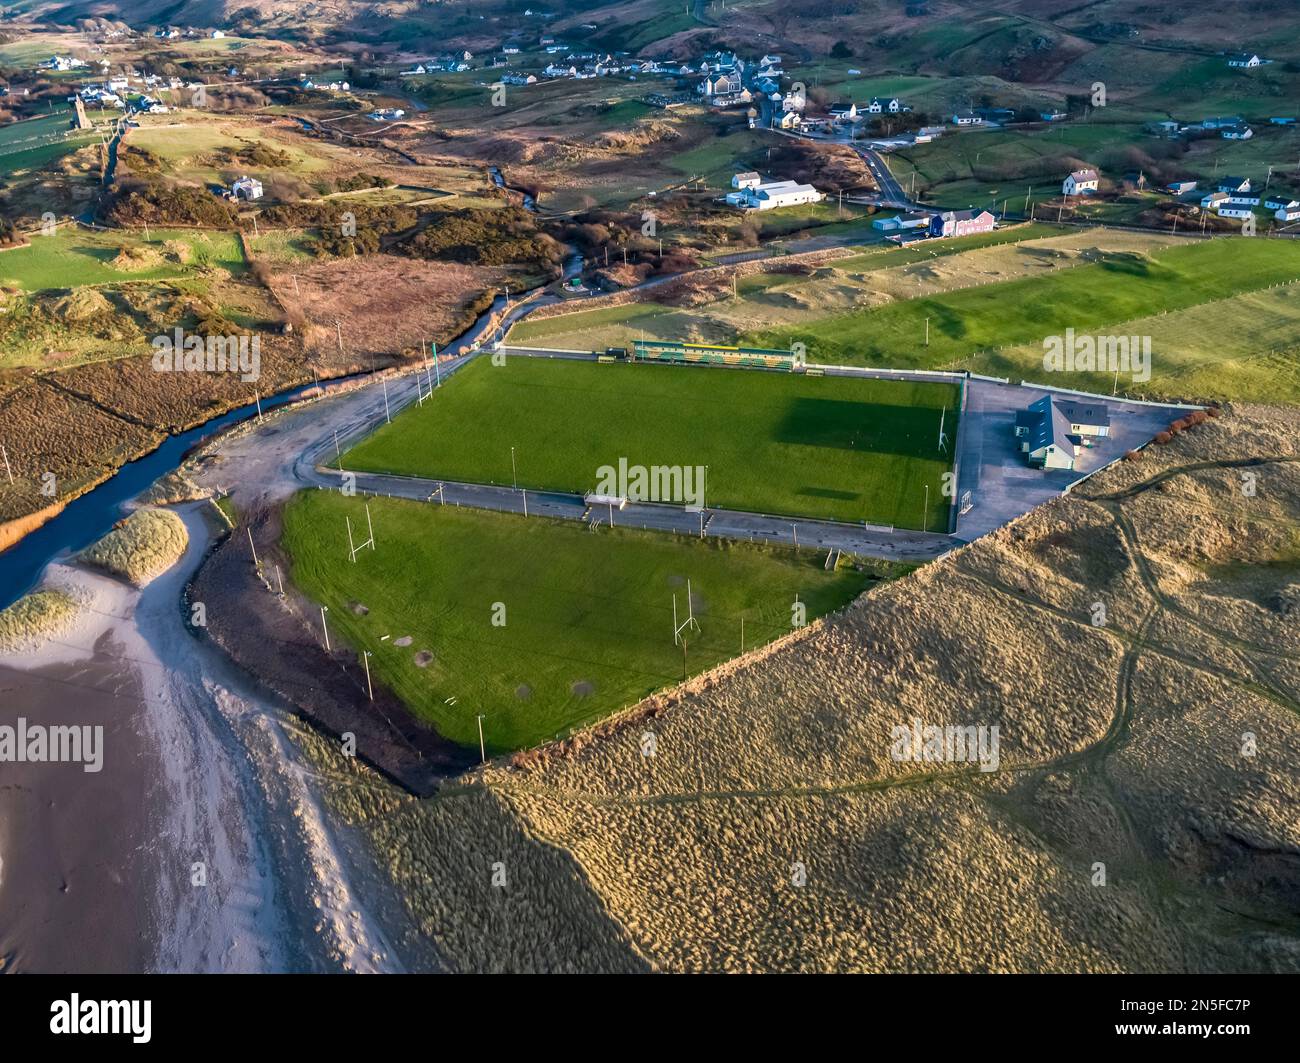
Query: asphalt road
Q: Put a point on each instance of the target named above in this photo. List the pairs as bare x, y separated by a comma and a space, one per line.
891, 192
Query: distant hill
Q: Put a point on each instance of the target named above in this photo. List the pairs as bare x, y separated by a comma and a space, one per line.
1029, 41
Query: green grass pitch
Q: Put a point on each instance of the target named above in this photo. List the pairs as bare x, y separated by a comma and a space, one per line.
588, 616
836, 448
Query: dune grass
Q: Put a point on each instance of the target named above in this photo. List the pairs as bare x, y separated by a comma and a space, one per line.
144, 545
33, 617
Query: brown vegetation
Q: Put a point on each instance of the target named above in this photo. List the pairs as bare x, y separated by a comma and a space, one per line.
774, 830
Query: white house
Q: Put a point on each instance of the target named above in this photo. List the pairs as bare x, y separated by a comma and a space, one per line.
1212, 200
63, 63
748, 179
1236, 210
246, 188
966, 118
216, 35
885, 105
1233, 184
1288, 213
1247, 60
1237, 132
1081, 182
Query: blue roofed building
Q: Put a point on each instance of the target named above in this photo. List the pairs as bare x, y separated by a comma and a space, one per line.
1053, 430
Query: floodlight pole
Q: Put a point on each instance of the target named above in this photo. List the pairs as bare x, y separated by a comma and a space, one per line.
325, 628
279, 580
387, 416
8, 471
365, 659
251, 546
482, 750
514, 475
525, 502
370, 528
437, 369
352, 551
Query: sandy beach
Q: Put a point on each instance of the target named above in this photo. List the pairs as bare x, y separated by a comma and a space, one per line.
78, 872
200, 846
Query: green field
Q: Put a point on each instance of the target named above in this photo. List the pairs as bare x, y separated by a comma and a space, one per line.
73, 256
834, 448
588, 618
1121, 288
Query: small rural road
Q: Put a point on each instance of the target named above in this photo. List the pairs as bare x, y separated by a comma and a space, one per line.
891, 192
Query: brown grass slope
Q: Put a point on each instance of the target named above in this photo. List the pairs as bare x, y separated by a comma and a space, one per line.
1159, 748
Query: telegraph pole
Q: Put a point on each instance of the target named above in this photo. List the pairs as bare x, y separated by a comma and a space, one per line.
365, 658
482, 750
323, 610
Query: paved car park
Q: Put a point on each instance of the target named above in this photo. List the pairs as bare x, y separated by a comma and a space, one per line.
992, 468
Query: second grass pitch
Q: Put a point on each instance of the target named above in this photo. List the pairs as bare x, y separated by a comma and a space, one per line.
834, 448
540, 624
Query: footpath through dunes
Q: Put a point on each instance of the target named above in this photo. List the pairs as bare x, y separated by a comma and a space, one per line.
1139, 655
